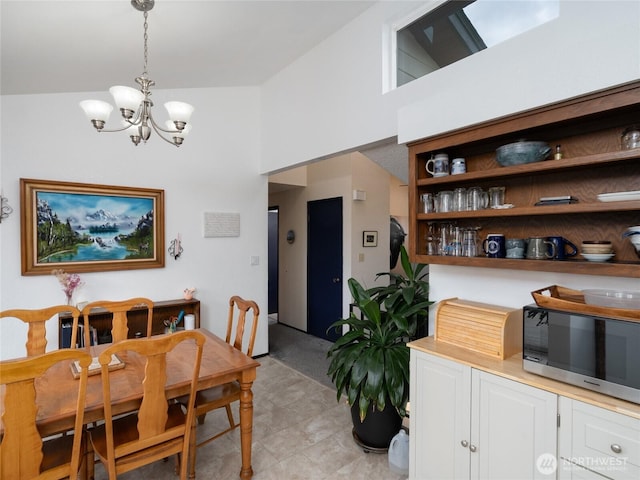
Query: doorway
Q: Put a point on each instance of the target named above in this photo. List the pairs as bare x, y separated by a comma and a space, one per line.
273, 256
324, 266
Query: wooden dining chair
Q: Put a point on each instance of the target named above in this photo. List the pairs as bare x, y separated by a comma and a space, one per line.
159, 428
36, 320
24, 454
119, 310
223, 396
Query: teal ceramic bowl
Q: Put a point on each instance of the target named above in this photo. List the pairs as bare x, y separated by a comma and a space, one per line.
519, 153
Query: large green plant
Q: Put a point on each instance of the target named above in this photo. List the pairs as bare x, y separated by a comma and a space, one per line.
406, 297
370, 362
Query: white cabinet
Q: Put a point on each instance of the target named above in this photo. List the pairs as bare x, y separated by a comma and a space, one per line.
601, 441
466, 423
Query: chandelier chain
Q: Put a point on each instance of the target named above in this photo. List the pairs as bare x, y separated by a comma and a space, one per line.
146, 49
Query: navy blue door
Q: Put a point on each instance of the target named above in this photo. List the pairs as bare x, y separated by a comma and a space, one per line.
324, 266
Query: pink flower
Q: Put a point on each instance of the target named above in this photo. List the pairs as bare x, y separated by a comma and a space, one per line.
69, 282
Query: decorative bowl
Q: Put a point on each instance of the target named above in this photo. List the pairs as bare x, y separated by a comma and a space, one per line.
612, 298
596, 246
633, 234
522, 152
598, 257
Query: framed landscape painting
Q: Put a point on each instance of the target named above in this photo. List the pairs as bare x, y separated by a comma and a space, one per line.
81, 227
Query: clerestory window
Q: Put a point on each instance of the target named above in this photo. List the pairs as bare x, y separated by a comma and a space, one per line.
459, 28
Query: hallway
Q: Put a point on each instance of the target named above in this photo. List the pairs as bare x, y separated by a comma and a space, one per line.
299, 350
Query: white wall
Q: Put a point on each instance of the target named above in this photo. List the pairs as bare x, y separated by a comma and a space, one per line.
592, 45
371, 214
216, 170
331, 100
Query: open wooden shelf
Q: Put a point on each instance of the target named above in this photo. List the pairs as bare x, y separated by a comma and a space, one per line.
589, 129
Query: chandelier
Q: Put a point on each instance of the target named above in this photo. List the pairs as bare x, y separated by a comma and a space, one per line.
135, 105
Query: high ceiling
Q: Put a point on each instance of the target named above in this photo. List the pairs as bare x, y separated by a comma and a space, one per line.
52, 46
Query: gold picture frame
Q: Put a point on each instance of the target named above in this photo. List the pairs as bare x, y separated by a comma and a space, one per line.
81, 227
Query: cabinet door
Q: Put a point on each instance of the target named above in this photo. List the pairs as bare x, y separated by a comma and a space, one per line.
512, 425
439, 419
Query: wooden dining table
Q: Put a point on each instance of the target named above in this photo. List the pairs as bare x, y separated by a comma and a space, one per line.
221, 363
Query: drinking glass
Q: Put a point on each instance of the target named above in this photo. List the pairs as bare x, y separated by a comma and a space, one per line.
444, 201
477, 198
460, 199
496, 197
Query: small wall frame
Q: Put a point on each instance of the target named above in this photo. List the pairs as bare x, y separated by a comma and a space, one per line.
370, 238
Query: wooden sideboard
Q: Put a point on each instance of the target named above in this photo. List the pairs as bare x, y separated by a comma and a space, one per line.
100, 319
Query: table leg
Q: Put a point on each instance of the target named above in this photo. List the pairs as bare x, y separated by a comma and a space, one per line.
246, 428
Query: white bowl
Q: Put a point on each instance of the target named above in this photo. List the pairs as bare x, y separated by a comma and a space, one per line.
612, 298
598, 257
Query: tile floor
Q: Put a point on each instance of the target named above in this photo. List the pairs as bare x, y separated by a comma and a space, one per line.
300, 432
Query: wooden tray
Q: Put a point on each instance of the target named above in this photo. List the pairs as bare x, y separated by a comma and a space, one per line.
566, 299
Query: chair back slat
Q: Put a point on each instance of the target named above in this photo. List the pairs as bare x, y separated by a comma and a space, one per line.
119, 310
152, 417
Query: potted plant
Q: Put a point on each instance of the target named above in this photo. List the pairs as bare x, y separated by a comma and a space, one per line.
370, 362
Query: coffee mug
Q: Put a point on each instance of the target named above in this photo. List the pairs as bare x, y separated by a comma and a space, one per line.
515, 247
493, 246
539, 248
561, 245
439, 165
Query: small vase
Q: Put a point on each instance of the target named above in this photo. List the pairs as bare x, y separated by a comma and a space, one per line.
70, 299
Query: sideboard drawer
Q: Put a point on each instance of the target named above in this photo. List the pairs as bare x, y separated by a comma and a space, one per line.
606, 442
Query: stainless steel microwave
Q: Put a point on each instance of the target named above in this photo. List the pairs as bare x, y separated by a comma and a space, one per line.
598, 353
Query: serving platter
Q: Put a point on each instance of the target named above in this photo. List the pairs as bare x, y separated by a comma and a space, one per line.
619, 196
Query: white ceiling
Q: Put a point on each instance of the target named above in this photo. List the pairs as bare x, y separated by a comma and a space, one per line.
52, 46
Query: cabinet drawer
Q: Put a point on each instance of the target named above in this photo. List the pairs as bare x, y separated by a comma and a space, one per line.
606, 442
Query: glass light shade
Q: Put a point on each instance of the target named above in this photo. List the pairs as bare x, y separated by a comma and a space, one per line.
127, 97
171, 127
96, 109
179, 111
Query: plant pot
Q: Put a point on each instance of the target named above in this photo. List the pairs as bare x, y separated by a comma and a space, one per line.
378, 428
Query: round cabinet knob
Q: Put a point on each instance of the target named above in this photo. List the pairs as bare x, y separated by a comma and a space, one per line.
464, 443
615, 448
472, 448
